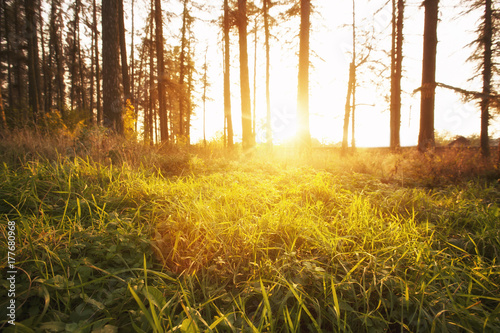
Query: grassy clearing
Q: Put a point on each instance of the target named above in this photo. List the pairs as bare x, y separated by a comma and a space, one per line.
128, 238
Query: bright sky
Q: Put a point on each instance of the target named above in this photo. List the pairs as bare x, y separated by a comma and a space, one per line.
330, 45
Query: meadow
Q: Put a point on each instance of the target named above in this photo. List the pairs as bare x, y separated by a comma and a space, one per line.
115, 236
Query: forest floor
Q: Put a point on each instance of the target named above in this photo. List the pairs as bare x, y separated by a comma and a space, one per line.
114, 236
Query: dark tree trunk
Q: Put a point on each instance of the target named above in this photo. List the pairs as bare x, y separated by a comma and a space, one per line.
56, 86
112, 97
123, 52
426, 135
99, 116
33, 59
487, 70
304, 134
81, 66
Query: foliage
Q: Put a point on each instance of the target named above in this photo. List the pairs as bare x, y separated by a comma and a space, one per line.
115, 236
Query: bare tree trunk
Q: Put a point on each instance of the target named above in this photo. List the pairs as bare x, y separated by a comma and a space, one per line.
182, 73
152, 112
161, 73
204, 97
99, 115
345, 137
33, 59
269, 132
227, 82
487, 69
254, 80
132, 69
396, 71
426, 135
112, 98
304, 134
246, 113
81, 68
123, 52
353, 107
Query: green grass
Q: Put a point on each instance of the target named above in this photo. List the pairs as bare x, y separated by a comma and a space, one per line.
139, 239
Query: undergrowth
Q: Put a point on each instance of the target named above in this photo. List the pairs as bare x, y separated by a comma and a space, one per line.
114, 236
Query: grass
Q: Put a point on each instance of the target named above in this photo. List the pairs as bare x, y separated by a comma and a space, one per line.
116, 237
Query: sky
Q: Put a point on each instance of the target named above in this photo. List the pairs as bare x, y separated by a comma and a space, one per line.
331, 40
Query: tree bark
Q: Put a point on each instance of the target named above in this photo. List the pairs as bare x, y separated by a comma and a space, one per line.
487, 71
161, 73
227, 82
99, 116
426, 135
182, 73
303, 132
246, 110
112, 97
123, 52
396, 71
347, 110
269, 132
33, 59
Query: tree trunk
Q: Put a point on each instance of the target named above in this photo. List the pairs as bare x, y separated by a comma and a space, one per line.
151, 112
254, 80
353, 106
33, 59
204, 97
112, 98
161, 73
269, 132
99, 115
81, 67
182, 73
227, 82
487, 70
303, 132
123, 52
396, 71
246, 110
347, 112
426, 135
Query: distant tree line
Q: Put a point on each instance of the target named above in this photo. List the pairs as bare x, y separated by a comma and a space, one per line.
74, 61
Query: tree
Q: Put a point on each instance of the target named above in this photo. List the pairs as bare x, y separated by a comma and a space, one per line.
350, 85
75, 60
112, 97
266, 4
227, 82
56, 61
487, 32
182, 70
487, 35
162, 75
35, 90
303, 132
428, 87
123, 52
95, 71
396, 71
246, 111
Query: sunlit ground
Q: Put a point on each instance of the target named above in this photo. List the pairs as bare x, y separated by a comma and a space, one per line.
117, 235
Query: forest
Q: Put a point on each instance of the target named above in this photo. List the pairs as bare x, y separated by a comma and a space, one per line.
249, 166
